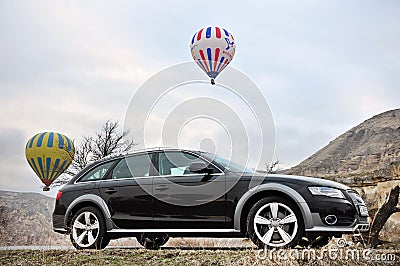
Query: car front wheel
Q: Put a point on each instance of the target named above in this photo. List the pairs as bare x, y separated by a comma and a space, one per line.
275, 222
88, 229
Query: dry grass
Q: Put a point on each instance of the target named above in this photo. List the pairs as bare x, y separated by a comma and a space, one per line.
193, 251
166, 256
187, 242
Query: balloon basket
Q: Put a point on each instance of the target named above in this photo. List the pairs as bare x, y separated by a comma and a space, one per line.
46, 189
212, 82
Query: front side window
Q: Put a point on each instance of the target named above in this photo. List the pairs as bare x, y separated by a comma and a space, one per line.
228, 164
135, 166
176, 163
97, 173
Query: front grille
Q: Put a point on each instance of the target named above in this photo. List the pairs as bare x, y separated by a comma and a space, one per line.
344, 221
358, 202
356, 198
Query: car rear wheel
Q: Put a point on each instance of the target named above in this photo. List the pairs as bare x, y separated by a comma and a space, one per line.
152, 241
275, 222
88, 229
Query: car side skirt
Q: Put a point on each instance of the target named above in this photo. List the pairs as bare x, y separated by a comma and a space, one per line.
169, 230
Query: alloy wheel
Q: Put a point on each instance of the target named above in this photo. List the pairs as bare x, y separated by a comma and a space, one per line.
275, 224
85, 229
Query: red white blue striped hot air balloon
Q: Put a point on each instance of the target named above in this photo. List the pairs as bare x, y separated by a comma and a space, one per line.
213, 49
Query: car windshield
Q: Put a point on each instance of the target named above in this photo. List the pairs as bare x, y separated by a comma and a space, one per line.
228, 165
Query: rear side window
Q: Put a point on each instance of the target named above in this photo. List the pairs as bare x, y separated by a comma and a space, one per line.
135, 166
97, 173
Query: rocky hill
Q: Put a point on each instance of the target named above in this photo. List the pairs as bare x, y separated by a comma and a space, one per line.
25, 219
372, 145
367, 158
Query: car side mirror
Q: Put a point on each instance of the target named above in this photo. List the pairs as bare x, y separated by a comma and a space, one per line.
200, 168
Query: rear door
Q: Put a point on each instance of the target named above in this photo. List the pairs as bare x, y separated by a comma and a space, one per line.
127, 192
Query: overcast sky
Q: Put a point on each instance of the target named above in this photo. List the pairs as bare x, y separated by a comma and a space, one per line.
68, 66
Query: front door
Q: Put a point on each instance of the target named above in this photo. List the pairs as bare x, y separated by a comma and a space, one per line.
184, 199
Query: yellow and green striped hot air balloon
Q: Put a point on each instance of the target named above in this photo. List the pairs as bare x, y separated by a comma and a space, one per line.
49, 154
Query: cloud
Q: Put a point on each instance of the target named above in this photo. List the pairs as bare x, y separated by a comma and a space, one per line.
15, 172
12, 141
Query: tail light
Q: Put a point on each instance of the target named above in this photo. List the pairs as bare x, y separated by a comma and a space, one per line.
59, 194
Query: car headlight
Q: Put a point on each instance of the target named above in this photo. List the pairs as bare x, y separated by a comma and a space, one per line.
326, 191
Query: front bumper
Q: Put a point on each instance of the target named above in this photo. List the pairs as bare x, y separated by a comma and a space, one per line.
350, 214
359, 225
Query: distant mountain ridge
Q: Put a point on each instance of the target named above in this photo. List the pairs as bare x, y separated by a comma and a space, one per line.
29, 218
370, 149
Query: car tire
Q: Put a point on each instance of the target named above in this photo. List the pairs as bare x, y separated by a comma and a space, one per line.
317, 241
320, 241
152, 241
88, 229
275, 222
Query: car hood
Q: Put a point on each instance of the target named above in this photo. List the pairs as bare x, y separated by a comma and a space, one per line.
304, 180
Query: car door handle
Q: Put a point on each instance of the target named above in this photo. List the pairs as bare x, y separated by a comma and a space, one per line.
110, 191
161, 188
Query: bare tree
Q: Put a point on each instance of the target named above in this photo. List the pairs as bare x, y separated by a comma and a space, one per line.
273, 168
82, 157
382, 215
108, 141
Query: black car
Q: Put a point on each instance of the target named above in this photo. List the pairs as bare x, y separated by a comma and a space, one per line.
161, 193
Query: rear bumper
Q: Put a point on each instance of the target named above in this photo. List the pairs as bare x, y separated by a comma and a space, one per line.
58, 224
60, 230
